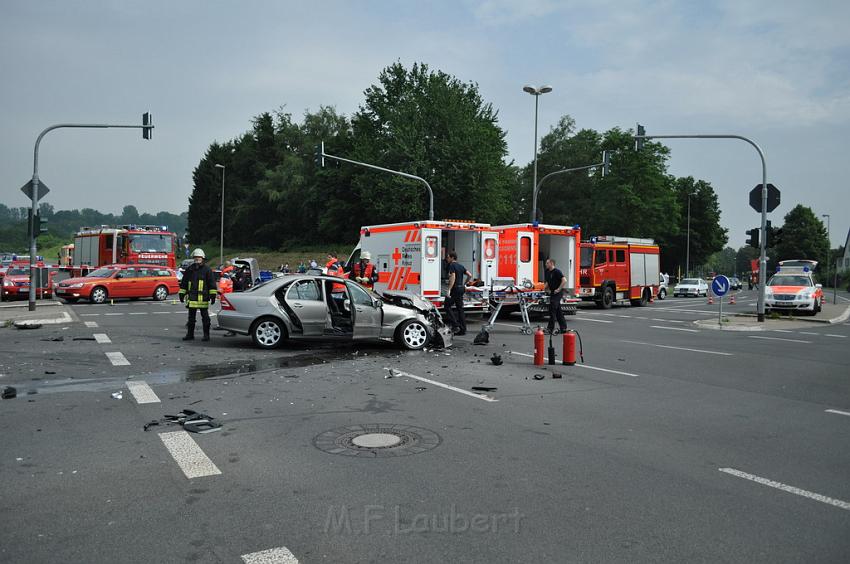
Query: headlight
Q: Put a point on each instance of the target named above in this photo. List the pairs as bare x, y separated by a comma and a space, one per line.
804, 296
77, 285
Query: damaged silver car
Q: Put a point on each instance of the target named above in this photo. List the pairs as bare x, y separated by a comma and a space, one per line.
307, 307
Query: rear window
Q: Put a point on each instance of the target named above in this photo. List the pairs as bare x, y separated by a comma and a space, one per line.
690, 281
18, 272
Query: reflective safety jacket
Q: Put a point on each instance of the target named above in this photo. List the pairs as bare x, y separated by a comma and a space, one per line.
197, 286
364, 270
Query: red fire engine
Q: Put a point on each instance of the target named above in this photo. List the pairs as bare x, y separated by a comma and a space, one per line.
619, 268
128, 244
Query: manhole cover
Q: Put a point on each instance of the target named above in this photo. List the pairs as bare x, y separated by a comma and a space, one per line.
376, 440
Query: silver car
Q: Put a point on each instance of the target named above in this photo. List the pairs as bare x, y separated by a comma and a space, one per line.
308, 307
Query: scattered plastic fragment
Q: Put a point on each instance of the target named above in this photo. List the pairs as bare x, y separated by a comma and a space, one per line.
421, 388
557, 375
117, 395
496, 359
538, 376
483, 389
9, 392
55, 338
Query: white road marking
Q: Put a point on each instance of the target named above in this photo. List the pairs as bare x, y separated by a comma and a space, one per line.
786, 488
837, 336
586, 366
142, 392
280, 555
679, 348
441, 385
117, 359
809, 333
667, 320
90, 323
640, 317
165, 312
778, 339
624, 316
675, 328
102, 338
576, 318
113, 314
88, 314
837, 412
782, 331
188, 455
138, 313
843, 298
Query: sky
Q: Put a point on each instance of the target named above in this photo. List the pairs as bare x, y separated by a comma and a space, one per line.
775, 71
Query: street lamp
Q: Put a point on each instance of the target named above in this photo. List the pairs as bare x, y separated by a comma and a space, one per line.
536, 92
688, 245
829, 260
221, 236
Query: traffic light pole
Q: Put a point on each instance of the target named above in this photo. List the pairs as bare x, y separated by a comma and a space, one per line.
35, 183
763, 250
537, 188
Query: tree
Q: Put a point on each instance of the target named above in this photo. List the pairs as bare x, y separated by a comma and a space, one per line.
707, 236
744, 258
130, 214
803, 237
432, 125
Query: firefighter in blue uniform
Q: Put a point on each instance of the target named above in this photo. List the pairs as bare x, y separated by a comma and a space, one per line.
197, 290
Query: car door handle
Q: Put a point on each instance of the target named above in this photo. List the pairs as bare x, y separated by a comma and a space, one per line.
297, 306
360, 309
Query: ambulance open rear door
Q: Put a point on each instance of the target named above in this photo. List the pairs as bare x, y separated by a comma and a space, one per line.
525, 257
432, 262
489, 256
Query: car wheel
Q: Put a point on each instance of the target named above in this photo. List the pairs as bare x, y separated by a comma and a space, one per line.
268, 333
160, 294
662, 293
412, 335
98, 295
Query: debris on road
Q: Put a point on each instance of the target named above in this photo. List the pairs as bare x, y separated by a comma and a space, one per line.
57, 339
84, 339
496, 359
9, 392
191, 421
539, 376
484, 388
25, 325
482, 338
557, 375
118, 395
421, 388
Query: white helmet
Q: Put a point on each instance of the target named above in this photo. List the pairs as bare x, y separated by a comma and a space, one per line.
198, 253
366, 255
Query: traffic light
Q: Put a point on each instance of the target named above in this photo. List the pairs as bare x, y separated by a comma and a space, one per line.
147, 125
320, 155
768, 234
776, 236
606, 162
40, 224
641, 130
753, 240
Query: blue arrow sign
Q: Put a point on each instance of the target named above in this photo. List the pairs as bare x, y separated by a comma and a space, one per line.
720, 285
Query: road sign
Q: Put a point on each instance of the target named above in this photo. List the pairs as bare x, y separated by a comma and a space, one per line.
772, 198
720, 285
42, 190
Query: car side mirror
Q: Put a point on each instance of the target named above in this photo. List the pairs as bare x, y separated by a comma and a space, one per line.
818, 285
378, 302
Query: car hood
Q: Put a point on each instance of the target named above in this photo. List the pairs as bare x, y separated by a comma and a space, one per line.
789, 289
407, 300
80, 279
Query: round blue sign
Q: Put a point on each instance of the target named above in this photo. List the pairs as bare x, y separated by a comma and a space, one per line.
720, 285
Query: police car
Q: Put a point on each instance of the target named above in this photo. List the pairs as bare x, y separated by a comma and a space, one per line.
793, 289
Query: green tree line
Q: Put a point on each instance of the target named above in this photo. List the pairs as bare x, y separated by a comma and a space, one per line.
433, 125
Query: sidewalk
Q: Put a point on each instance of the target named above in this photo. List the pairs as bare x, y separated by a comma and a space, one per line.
47, 312
831, 314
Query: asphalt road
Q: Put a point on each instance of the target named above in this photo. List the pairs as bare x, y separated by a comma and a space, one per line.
670, 443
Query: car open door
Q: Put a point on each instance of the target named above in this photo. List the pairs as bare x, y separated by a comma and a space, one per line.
304, 299
489, 256
432, 262
525, 258
365, 311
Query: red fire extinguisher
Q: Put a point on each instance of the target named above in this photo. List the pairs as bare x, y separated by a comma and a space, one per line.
569, 347
539, 344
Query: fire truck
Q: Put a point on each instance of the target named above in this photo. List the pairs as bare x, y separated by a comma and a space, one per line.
410, 257
616, 269
127, 244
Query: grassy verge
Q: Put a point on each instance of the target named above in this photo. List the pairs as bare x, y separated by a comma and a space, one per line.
271, 260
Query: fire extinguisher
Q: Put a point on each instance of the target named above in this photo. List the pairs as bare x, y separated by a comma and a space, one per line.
570, 347
539, 343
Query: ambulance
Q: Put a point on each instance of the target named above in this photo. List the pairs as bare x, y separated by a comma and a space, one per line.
525, 247
411, 257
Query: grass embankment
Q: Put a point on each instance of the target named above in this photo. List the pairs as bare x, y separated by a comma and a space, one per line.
271, 260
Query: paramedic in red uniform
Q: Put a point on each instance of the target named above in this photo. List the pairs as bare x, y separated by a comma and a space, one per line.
457, 287
364, 272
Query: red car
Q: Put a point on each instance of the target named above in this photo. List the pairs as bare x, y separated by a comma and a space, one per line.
120, 281
15, 282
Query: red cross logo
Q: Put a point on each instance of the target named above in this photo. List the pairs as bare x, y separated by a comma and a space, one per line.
396, 256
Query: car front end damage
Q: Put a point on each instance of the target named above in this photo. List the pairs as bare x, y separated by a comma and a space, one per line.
441, 334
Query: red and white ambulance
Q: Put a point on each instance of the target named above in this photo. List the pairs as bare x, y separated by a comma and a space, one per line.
524, 248
410, 257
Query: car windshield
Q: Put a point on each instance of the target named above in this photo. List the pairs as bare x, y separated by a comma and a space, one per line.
18, 272
789, 281
150, 243
690, 281
586, 257
101, 273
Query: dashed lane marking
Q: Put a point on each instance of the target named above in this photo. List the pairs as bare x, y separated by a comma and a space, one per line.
781, 331
786, 488
102, 338
836, 336
667, 320
113, 314
679, 348
778, 339
279, 555
809, 333
675, 328
142, 392
90, 324
88, 314
164, 312
586, 366
577, 318
188, 455
446, 386
117, 359
138, 313
837, 412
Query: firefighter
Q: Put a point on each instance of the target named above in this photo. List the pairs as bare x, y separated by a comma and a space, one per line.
555, 283
333, 266
197, 289
364, 272
457, 287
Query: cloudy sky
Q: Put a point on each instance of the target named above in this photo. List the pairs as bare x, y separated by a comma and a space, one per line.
775, 71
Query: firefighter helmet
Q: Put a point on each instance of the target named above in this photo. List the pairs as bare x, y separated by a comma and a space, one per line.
198, 253
366, 255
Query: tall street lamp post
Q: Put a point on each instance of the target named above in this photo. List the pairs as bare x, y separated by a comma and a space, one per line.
536, 92
829, 261
688, 245
221, 235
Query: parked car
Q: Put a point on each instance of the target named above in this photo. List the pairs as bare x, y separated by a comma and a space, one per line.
306, 307
663, 284
120, 281
735, 283
691, 287
793, 292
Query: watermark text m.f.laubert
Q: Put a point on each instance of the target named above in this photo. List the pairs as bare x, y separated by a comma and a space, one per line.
344, 520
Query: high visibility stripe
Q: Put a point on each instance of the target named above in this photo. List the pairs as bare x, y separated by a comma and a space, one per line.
200, 286
391, 285
418, 238
404, 276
